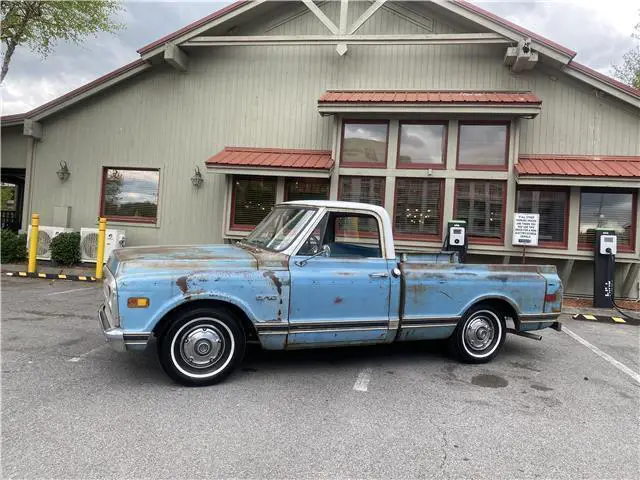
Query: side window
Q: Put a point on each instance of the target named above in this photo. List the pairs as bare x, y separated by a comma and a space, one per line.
353, 236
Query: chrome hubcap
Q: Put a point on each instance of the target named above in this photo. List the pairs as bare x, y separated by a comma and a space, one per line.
201, 346
479, 333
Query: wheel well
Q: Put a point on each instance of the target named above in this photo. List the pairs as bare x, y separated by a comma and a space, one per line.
247, 326
501, 306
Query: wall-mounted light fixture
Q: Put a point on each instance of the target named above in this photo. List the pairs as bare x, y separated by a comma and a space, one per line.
63, 173
197, 179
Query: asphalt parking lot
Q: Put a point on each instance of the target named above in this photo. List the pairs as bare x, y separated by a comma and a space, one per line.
72, 408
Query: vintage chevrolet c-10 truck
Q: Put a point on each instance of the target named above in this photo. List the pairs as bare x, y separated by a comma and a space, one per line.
314, 274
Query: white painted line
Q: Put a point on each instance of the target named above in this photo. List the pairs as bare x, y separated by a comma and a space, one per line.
69, 291
80, 357
620, 366
362, 382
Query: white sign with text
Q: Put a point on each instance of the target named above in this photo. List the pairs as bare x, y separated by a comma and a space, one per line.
525, 229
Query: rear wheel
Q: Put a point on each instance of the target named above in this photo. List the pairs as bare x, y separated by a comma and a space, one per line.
201, 347
480, 335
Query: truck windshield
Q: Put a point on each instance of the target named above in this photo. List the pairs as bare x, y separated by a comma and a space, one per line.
280, 228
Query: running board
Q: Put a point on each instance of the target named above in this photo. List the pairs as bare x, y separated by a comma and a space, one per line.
532, 336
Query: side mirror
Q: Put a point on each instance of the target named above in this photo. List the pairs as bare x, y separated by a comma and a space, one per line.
325, 251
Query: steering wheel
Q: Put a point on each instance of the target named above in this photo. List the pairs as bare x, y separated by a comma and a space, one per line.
312, 245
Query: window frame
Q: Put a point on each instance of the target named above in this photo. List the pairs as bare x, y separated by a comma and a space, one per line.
494, 168
246, 228
384, 184
483, 240
565, 234
124, 218
418, 237
306, 179
383, 165
634, 205
421, 166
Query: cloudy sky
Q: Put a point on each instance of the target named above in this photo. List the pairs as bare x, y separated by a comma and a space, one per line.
599, 31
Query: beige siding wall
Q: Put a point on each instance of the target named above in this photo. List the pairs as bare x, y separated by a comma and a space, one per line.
266, 97
14, 147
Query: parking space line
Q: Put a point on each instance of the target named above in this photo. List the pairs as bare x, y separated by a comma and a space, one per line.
69, 291
620, 366
362, 382
81, 356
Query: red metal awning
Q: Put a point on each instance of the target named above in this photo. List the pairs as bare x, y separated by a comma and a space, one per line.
272, 160
428, 97
579, 166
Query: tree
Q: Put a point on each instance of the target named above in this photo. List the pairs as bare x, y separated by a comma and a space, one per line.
629, 70
39, 24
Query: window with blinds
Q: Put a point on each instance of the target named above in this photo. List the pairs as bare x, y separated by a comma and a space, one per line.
362, 189
483, 146
417, 210
306, 189
130, 195
552, 206
481, 204
607, 209
253, 199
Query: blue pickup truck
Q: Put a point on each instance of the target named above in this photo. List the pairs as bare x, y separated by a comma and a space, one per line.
314, 274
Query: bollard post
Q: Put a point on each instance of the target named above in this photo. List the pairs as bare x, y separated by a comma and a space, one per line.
33, 242
102, 228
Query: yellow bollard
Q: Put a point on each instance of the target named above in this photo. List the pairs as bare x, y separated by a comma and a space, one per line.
102, 228
33, 242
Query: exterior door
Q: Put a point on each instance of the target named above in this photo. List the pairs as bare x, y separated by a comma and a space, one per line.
341, 297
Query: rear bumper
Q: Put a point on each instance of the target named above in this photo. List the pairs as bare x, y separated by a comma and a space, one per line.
117, 338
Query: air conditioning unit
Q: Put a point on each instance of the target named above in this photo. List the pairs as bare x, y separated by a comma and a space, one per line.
89, 243
45, 235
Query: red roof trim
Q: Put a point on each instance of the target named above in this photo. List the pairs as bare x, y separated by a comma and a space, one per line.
579, 165
604, 78
415, 96
287, 158
506, 23
192, 26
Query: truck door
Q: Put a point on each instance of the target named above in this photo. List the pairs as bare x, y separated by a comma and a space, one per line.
340, 296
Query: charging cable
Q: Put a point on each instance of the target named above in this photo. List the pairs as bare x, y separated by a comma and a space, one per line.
611, 266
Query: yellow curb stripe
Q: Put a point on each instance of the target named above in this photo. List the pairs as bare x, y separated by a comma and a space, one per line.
62, 276
618, 320
22, 274
589, 317
42, 275
81, 277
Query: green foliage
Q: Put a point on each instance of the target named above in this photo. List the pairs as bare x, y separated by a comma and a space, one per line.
13, 247
8, 194
629, 71
65, 249
39, 24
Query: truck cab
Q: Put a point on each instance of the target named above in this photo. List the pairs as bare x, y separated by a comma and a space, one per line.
314, 274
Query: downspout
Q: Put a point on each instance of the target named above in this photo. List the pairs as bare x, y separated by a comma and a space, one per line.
33, 132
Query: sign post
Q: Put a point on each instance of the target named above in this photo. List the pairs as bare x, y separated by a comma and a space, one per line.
525, 230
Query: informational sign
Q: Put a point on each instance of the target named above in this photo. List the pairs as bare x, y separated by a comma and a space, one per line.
525, 229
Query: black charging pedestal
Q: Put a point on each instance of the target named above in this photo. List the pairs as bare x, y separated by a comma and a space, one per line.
604, 267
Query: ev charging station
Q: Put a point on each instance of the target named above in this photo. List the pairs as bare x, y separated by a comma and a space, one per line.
456, 239
604, 268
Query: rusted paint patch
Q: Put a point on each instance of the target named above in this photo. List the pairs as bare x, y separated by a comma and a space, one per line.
182, 285
346, 274
276, 281
338, 300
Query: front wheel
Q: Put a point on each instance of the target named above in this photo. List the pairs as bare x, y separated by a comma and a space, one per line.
479, 336
201, 347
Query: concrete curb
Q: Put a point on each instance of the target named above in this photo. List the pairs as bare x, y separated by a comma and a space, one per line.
617, 319
52, 276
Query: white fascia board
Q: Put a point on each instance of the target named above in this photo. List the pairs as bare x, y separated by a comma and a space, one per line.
270, 172
194, 33
510, 110
605, 87
98, 88
514, 35
572, 181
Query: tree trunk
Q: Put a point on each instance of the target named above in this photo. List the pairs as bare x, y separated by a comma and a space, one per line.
11, 46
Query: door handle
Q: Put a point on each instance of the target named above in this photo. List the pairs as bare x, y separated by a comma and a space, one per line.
379, 275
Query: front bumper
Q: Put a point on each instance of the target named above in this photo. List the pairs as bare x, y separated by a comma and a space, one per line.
117, 338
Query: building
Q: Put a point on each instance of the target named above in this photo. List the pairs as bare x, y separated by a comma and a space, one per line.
435, 110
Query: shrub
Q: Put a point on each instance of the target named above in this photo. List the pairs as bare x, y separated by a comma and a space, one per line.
65, 249
13, 246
